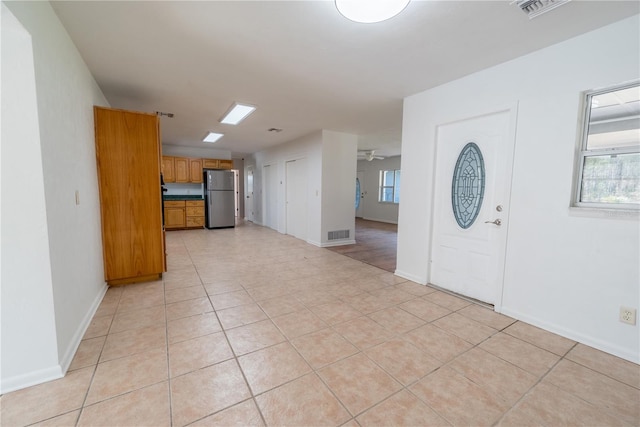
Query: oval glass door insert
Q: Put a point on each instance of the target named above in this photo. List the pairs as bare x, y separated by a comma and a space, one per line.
467, 187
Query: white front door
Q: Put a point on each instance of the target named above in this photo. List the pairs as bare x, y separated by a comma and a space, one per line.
468, 258
248, 207
296, 198
359, 196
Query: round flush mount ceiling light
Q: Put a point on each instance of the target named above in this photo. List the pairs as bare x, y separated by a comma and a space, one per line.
370, 11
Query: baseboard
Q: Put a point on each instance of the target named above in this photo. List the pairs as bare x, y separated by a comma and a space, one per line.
80, 331
607, 347
30, 379
338, 243
411, 277
380, 220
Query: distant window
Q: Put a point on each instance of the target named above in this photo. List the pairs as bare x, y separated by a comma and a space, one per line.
609, 159
389, 186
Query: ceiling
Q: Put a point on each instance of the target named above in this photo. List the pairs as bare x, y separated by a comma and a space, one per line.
301, 63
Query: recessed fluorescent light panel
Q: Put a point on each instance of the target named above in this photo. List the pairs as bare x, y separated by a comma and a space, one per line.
237, 113
213, 137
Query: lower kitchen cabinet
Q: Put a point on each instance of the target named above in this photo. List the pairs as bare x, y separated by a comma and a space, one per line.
179, 214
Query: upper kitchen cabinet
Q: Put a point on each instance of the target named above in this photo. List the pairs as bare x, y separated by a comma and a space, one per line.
217, 164
195, 170
128, 158
168, 169
181, 165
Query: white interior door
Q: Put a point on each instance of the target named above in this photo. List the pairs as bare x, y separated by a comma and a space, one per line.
270, 193
296, 198
248, 207
359, 193
470, 261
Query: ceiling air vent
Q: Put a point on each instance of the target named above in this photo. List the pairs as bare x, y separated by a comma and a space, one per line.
535, 8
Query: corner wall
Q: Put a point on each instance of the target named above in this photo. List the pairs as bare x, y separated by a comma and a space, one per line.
567, 270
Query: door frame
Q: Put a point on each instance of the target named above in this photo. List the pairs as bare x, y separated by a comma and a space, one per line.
512, 110
249, 201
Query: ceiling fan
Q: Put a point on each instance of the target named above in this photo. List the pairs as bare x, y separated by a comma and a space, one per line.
368, 155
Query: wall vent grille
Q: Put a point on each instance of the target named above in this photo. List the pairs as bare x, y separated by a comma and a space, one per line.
338, 234
535, 8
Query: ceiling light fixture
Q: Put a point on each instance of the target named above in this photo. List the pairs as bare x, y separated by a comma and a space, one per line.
237, 113
370, 11
213, 137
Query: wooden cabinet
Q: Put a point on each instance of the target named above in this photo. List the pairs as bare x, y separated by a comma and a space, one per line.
181, 165
195, 213
174, 214
195, 170
168, 169
128, 161
183, 214
217, 164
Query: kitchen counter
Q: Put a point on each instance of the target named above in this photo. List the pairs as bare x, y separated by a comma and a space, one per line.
178, 197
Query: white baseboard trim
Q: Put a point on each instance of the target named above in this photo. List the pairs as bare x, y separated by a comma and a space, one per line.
380, 220
338, 243
30, 379
81, 329
607, 347
411, 277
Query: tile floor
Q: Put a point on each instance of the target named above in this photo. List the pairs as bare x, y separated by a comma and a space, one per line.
250, 327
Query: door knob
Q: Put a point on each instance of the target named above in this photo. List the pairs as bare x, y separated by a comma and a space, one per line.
496, 222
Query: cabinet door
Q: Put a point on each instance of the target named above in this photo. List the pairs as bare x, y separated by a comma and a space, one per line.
210, 163
174, 218
195, 169
225, 164
181, 165
168, 170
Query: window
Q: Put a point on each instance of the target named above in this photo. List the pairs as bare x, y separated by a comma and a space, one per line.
609, 161
389, 186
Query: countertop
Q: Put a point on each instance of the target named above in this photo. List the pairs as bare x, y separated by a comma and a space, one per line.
179, 197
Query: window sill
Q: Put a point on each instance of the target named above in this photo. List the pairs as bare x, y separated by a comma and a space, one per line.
588, 212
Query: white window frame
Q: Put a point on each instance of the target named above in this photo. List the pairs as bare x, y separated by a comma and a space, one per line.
381, 187
583, 153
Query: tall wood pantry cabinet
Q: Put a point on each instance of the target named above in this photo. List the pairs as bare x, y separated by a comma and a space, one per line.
128, 154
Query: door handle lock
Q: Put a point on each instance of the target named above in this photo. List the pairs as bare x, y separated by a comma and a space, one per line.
496, 222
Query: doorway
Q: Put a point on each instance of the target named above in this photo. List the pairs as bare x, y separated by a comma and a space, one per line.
471, 205
248, 206
296, 198
359, 193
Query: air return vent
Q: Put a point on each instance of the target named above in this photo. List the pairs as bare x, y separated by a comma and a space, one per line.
338, 234
535, 8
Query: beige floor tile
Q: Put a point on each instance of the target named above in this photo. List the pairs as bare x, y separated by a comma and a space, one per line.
367, 303
486, 316
196, 353
494, 375
524, 355
107, 308
230, 299
66, 420
323, 347
335, 312
178, 284
606, 394
313, 298
424, 309
403, 361
446, 300
135, 301
401, 409
278, 306
612, 366
465, 328
358, 382
269, 291
98, 327
273, 366
134, 341
188, 308
303, 402
224, 286
415, 288
243, 414
393, 295
299, 323
436, 342
241, 315
192, 327
396, 320
137, 319
183, 294
44, 401
458, 399
144, 407
363, 332
126, 374
547, 405
255, 336
201, 393
540, 338
88, 353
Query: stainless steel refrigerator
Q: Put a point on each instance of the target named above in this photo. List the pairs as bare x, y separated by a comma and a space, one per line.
219, 203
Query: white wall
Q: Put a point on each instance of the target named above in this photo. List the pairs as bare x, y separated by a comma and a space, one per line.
65, 95
371, 208
567, 270
182, 151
